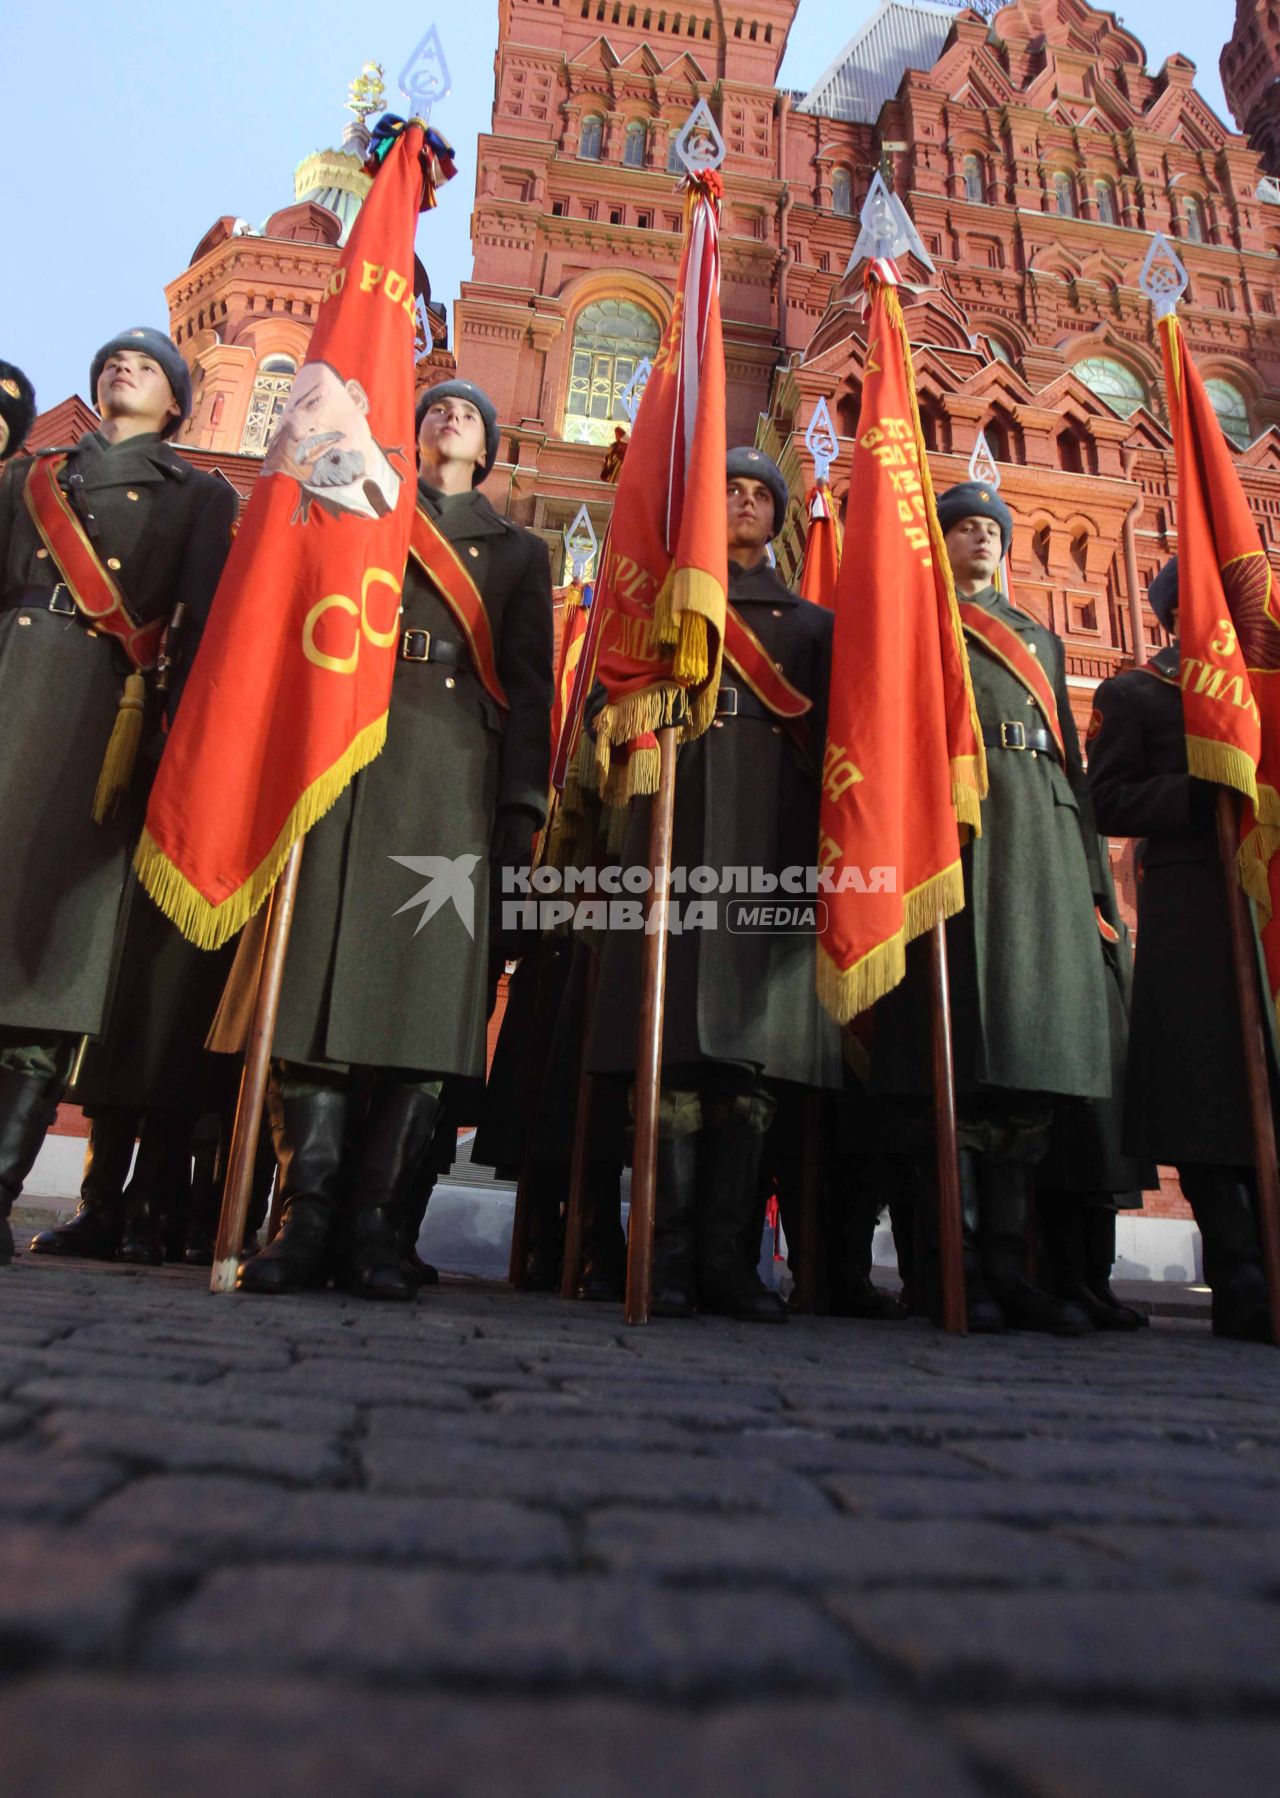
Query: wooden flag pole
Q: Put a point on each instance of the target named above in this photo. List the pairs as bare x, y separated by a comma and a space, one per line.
540, 1033
955, 1317
253, 1081
1256, 1059
572, 1261
649, 1038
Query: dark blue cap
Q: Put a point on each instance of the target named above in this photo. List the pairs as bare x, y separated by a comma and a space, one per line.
975, 499
753, 464
1162, 594
17, 406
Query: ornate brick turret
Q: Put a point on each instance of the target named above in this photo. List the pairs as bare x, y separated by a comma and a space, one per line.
1250, 67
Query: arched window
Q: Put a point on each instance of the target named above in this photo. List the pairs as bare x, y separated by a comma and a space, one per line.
1193, 213
1232, 409
842, 192
1112, 382
1069, 457
974, 186
998, 349
591, 137
1064, 195
1105, 196
634, 146
674, 164
270, 394
610, 339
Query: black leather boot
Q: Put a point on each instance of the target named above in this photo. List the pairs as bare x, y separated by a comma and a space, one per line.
983, 1314
673, 1292
94, 1231
1227, 1219
728, 1166
547, 1183
159, 1187
393, 1149
209, 1177
604, 1247
1004, 1206
308, 1124
28, 1105
852, 1228
1081, 1239
411, 1211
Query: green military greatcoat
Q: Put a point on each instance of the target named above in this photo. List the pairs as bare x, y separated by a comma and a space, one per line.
1028, 995
372, 978
163, 529
747, 796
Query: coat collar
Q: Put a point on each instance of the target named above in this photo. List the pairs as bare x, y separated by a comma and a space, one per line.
461, 516
760, 584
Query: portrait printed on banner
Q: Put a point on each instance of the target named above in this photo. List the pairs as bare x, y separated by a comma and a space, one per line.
325, 443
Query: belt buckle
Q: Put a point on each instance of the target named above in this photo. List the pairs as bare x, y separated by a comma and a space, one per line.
1013, 734
409, 646
723, 708
61, 602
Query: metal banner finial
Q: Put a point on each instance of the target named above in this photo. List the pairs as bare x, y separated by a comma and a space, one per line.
367, 94
425, 78
821, 441
581, 543
982, 464
700, 145
1163, 278
887, 229
633, 392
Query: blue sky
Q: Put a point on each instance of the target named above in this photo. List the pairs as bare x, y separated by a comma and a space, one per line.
134, 124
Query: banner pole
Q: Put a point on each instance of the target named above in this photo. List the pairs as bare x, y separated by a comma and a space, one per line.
572, 1260
649, 1038
540, 1039
1256, 1059
811, 1184
253, 1080
950, 1236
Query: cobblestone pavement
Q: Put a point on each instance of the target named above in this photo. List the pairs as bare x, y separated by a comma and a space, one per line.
495, 1545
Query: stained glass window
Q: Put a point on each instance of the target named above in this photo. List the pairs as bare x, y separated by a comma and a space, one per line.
270, 395
610, 339
1112, 382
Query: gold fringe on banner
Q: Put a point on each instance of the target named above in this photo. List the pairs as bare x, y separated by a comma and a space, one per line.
209, 925
122, 749
1224, 764
966, 792
844, 992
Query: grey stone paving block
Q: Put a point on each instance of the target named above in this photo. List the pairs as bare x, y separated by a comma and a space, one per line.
76, 1363
651, 1396
1048, 1754
1230, 1559
1184, 1647
372, 1382
221, 1515
1013, 1501
101, 1738
248, 1401
575, 1479
60, 1594
232, 1349
159, 1442
1140, 1462
795, 1443
533, 1430
830, 1551
14, 1419
506, 1630
37, 1484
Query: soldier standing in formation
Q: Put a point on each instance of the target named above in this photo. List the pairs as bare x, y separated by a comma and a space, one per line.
1028, 1001
381, 1002
100, 545
1186, 1096
741, 1010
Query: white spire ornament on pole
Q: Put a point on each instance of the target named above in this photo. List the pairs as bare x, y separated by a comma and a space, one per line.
425, 78
821, 441
633, 392
581, 544
1163, 278
700, 146
983, 467
887, 230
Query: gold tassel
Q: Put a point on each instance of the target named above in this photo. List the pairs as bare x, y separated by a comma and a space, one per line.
122, 751
690, 660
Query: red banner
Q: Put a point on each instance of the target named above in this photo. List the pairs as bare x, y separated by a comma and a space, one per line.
904, 767
1229, 635
658, 614
289, 693
823, 543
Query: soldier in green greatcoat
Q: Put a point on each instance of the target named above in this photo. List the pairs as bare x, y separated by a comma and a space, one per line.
137, 526
17, 409
1028, 998
386, 982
